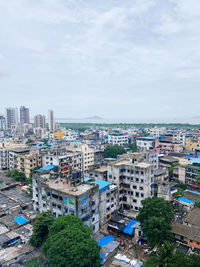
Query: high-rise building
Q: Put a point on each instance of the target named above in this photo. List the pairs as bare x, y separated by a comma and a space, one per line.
51, 121
24, 115
2, 123
39, 121
11, 117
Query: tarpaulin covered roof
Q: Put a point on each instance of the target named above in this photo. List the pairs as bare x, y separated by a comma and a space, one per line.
46, 168
186, 200
129, 227
105, 240
20, 220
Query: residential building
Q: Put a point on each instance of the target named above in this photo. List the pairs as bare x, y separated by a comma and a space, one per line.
145, 143
39, 121
192, 142
51, 121
58, 134
26, 163
117, 138
58, 195
13, 154
11, 118
2, 123
24, 115
87, 156
134, 180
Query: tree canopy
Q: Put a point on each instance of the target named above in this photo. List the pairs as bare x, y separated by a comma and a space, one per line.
155, 217
113, 151
69, 243
18, 176
169, 256
41, 226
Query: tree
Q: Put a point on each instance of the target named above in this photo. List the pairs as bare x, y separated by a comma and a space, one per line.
113, 151
41, 226
18, 176
69, 243
169, 256
133, 146
155, 218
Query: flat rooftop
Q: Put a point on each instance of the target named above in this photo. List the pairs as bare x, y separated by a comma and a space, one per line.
61, 185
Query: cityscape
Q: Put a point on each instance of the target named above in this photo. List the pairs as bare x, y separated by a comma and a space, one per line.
99, 133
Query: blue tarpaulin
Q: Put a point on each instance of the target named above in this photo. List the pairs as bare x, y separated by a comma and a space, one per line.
186, 200
46, 168
105, 240
129, 227
20, 220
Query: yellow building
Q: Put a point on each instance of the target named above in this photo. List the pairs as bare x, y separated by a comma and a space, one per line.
28, 162
58, 135
191, 143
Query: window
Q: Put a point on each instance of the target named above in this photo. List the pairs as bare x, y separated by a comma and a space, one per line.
134, 186
141, 188
134, 200
137, 194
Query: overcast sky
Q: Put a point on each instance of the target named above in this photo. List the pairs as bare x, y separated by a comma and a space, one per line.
133, 59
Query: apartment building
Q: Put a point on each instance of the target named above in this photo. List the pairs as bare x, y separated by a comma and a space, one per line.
24, 115
117, 138
134, 180
13, 154
108, 199
87, 156
62, 198
156, 131
3, 159
192, 142
26, 163
145, 143
39, 121
11, 118
66, 162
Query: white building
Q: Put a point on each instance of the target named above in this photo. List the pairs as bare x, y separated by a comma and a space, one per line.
145, 143
39, 121
117, 139
134, 181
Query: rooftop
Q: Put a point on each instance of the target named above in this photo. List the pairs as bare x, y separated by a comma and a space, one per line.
61, 185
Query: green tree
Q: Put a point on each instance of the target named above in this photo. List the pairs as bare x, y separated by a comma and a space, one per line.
155, 218
113, 151
41, 226
18, 176
69, 243
169, 256
133, 146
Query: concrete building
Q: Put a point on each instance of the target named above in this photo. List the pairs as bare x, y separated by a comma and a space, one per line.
192, 142
62, 198
51, 121
28, 162
39, 121
145, 143
87, 156
117, 138
2, 123
108, 199
11, 118
24, 115
134, 180
13, 154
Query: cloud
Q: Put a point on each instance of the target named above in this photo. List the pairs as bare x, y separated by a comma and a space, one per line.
127, 54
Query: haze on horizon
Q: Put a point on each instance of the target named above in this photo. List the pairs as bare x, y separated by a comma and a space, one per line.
116, 59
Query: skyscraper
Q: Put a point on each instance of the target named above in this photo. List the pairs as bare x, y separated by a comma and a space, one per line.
11, 117
24, 115
51, 121
39, 121
2, 123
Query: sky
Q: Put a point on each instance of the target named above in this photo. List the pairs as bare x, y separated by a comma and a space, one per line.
119, 59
